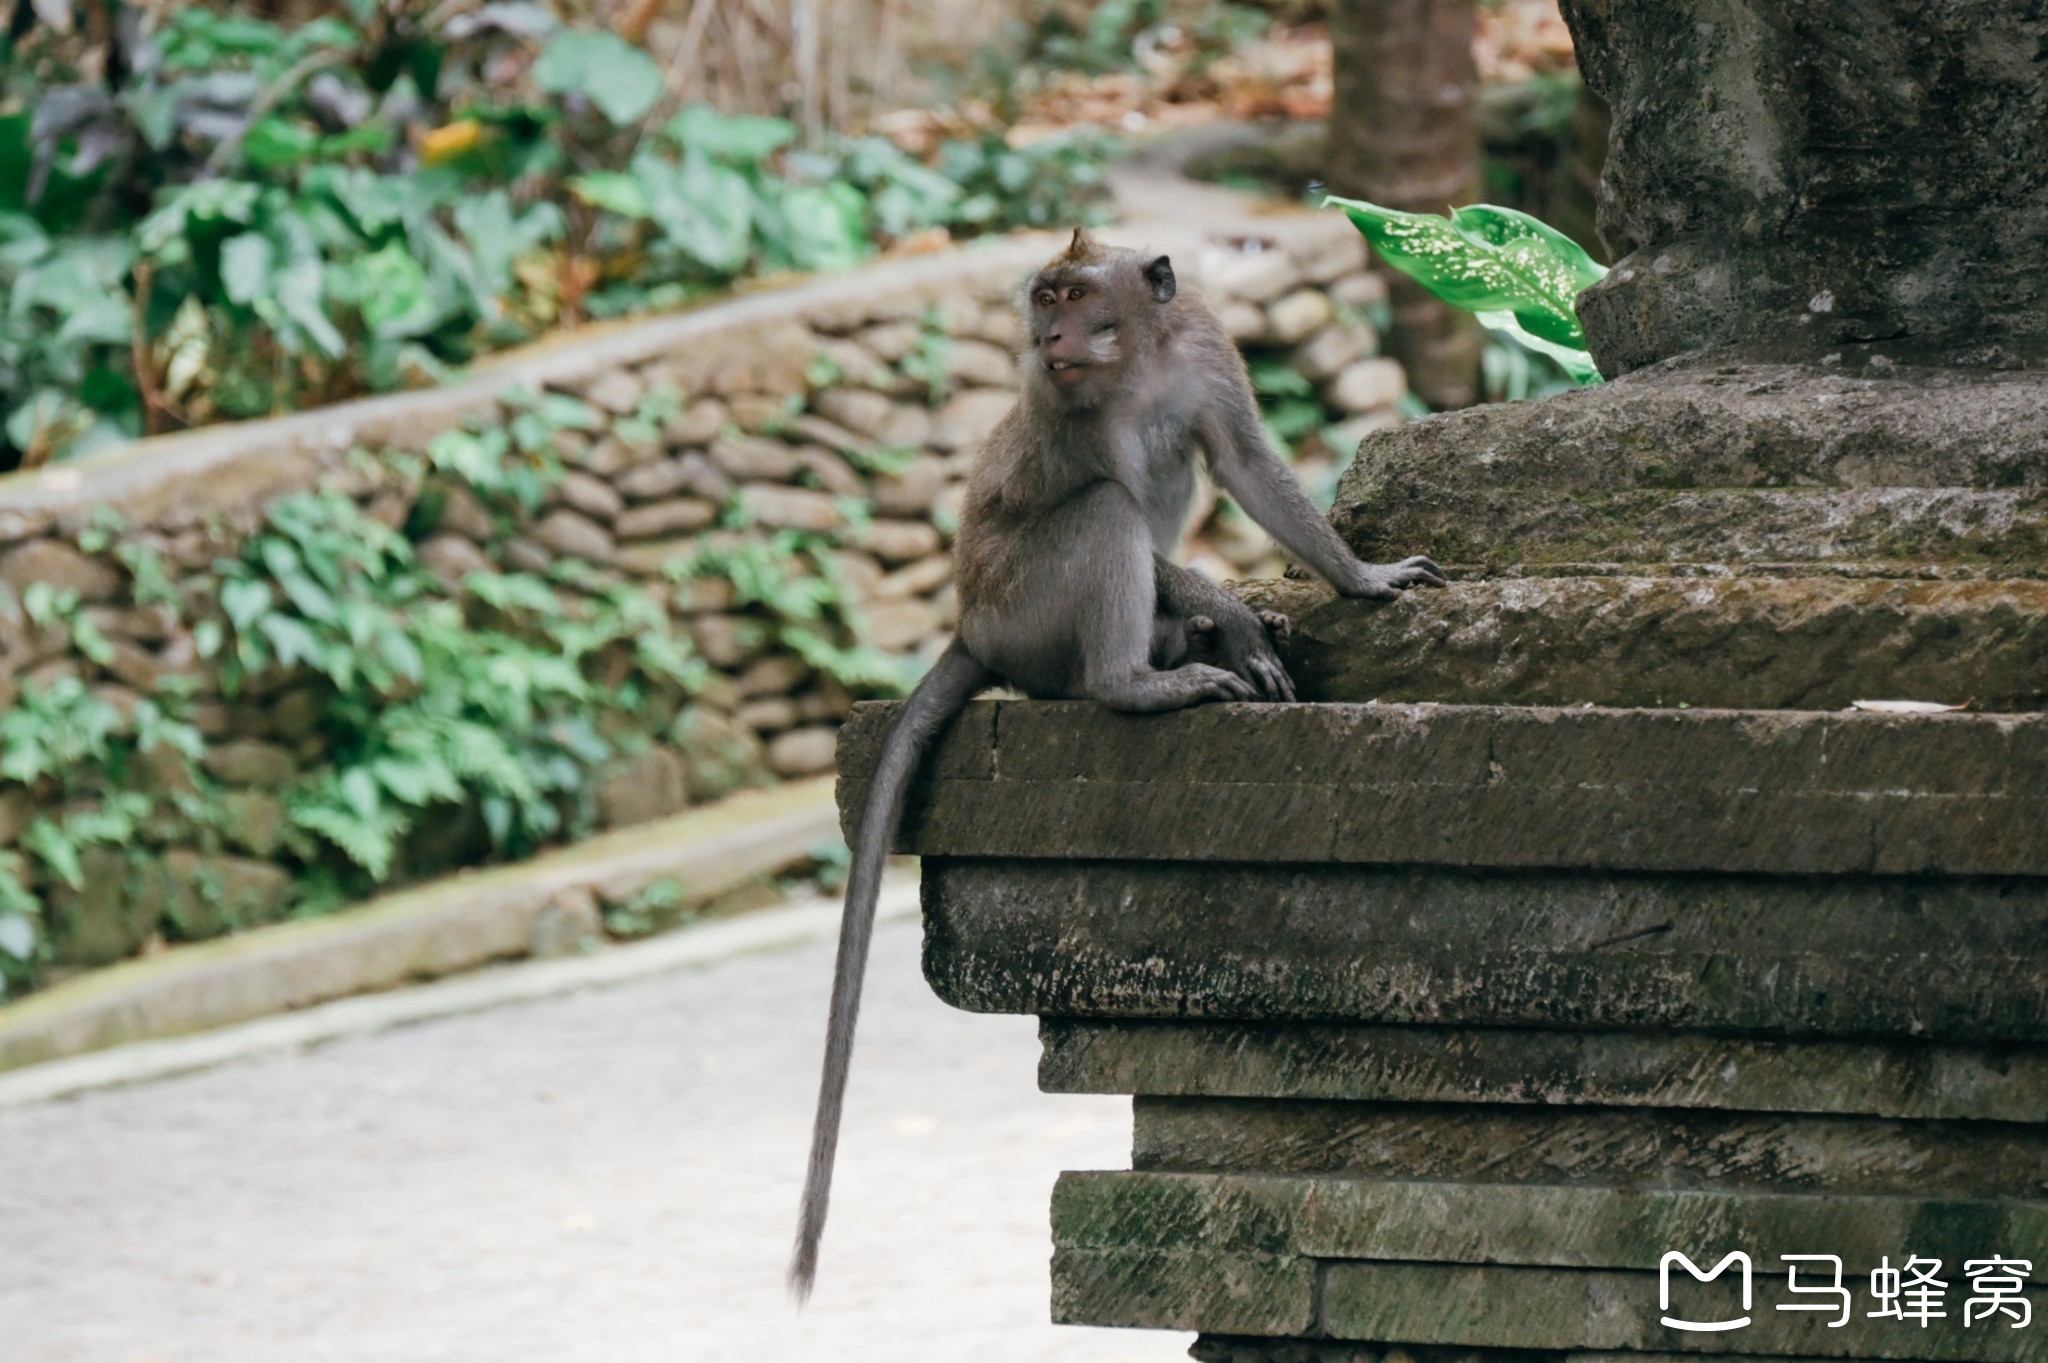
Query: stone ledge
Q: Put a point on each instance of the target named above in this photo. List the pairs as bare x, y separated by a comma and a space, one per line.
1543, 1069
465, 921
1547, 1069
1624, 1147
1529, 1225
1762, 643
1952, 959
1707, 460
1503, 787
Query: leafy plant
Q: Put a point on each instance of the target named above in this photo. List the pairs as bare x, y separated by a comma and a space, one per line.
791, 578
428, 707
73, 751
1516, 274
225, 217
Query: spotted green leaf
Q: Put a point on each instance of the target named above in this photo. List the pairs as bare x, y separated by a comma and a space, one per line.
1487, 260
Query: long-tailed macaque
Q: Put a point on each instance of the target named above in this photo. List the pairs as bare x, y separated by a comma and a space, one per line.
1065, 590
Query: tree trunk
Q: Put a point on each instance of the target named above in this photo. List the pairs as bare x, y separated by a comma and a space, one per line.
1402, 135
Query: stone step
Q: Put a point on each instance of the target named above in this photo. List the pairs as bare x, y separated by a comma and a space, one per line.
1790, 793
1955, 959
1715, 462
1543, 1070
1749, 642
1642, 1147
1532, 1225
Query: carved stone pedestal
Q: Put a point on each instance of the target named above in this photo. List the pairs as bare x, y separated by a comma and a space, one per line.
1446, 1024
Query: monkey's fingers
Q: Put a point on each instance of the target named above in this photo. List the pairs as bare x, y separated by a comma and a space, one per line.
1273, 679
1421, 569
1221, 685
1200, 624
1278, 626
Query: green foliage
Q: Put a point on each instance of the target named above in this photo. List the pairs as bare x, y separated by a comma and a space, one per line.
618, 78
241, 217
430, 708
930, 362
72, 750
1516, 274
659, 900
791, 578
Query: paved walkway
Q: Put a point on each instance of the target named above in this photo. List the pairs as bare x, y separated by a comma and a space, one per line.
607, 1176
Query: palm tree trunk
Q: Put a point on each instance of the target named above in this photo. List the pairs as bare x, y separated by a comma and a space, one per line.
1402, 135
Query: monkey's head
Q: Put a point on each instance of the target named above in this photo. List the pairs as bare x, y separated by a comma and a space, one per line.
1091, 311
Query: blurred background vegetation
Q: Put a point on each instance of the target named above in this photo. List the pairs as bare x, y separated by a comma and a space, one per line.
221, 211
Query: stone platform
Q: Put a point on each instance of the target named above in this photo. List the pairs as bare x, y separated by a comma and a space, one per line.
1445, 1024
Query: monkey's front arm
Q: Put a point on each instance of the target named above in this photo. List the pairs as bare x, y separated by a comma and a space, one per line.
1247, 467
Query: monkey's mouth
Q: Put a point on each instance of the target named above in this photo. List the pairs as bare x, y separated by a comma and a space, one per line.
1065, 371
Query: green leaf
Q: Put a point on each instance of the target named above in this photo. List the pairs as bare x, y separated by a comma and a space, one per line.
706, 209
828, 225
614, 191
620, 79
56, 850
245, 602
206, 201
1576, 362
276, 144
396, 299
745, 138
245, 263
375, 201
1486, 259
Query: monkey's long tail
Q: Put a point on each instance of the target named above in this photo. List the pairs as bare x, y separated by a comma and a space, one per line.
945, 690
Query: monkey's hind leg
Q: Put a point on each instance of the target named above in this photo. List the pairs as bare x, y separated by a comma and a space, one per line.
1116, 619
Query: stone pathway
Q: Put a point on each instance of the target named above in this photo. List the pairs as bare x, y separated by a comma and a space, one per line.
608, 1176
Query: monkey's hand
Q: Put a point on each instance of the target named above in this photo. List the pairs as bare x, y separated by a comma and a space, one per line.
1243, 644
1385, 581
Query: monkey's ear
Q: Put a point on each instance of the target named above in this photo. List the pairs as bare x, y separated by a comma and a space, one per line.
1159, 274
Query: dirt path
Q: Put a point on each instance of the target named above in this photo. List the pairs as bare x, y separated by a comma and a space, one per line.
607, 1176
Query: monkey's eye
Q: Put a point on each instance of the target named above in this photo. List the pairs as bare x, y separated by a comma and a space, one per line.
1045, 298
1074, 295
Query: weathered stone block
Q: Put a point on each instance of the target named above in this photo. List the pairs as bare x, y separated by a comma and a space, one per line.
1430, 785
62, 566
250, 762
1591, 1146
642, 787
1539, 1225
790, 508
753, 458
1759, 642
719, 757
575, 536
1324, 1061
1788, 956
678, 515
1704, 462
1183, 1290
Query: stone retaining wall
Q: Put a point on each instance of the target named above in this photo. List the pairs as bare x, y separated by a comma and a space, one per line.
822, 429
